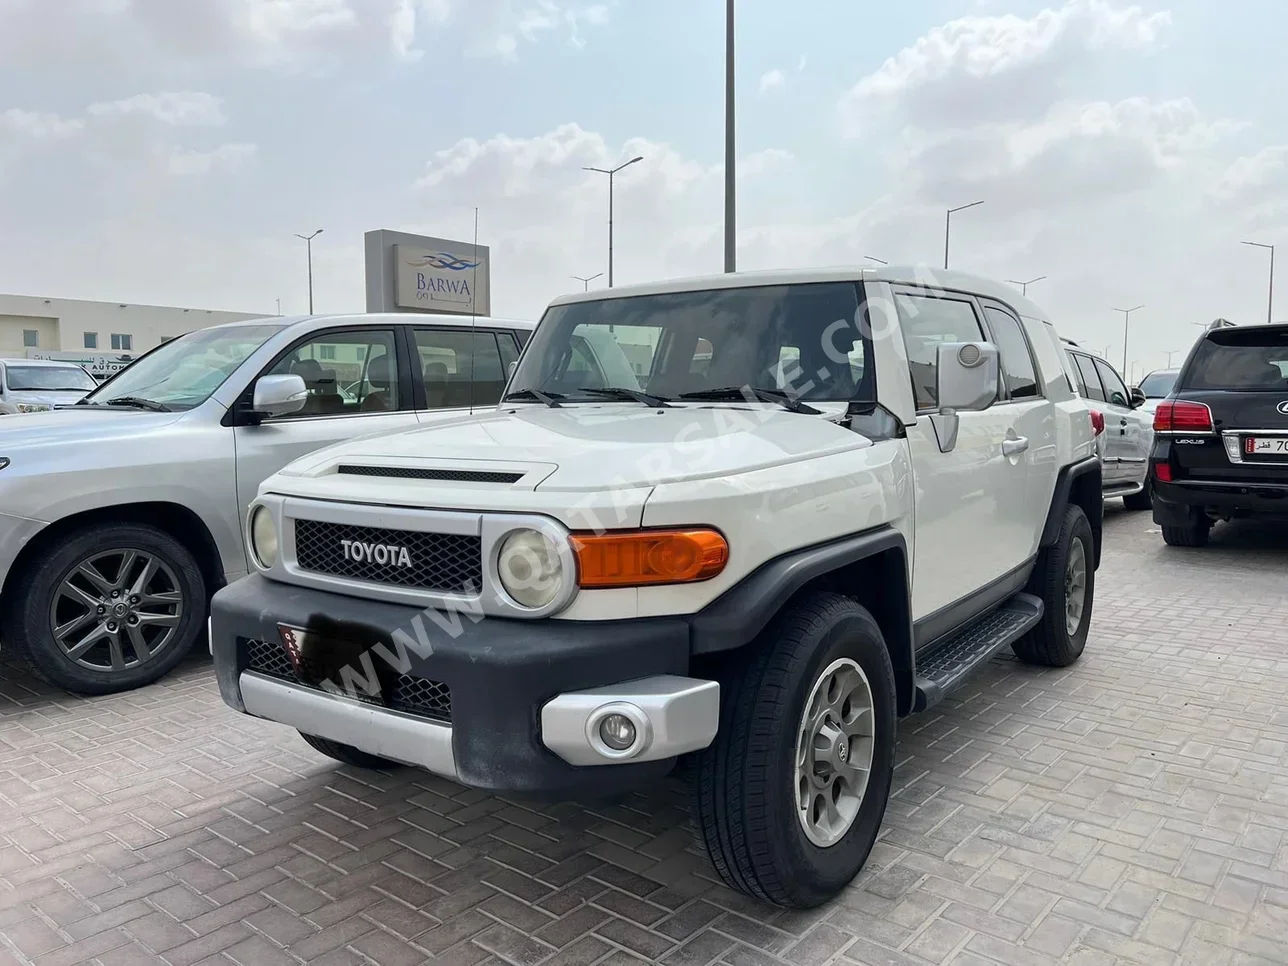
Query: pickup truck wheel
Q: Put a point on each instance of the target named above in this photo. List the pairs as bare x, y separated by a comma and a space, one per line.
1194, 535
1144, 500
107, 609
347, 754
790, 795
1065, 579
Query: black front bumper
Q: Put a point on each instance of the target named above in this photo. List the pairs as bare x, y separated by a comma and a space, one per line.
1181, 502
500, 673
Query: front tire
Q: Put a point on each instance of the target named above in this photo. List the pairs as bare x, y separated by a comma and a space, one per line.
108, 608
349, 755
1065, 579
784, 806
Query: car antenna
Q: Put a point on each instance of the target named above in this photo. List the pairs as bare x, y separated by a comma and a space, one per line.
474, 305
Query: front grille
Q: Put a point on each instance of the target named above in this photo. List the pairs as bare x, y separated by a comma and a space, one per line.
445, 562
446, 476
418, 696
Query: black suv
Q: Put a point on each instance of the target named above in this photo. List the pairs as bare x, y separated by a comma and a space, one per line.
1221, 436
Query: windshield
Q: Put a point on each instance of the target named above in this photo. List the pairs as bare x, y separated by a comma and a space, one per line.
1158, 384
1250, 359
182, 373
798, 339
49, 379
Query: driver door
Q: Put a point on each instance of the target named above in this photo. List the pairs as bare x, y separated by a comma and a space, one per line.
359, 384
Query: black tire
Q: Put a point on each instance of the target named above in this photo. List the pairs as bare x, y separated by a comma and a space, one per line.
349, 755
1193, 535
1144, 500
29, 625
745, 799
1050, 644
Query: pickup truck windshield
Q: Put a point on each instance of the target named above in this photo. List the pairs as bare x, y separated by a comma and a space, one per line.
798, 340
49, 379
1251, 359
182, 373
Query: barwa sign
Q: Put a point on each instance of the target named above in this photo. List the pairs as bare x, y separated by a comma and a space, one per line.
447, 277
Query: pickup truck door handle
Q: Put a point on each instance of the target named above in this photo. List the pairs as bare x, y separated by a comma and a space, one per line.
1014, 445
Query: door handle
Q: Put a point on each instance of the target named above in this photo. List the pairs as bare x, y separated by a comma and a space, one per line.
1012, 447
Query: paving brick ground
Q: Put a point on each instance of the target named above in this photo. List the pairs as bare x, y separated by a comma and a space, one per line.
1130, 809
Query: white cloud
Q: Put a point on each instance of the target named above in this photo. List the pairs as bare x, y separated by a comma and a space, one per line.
985, 68
184, 162
178, 108
771, 80
277, 33
39, 125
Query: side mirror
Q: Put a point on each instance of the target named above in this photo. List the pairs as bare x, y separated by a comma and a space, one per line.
1137, 397
279, 396
509, 371
966, 381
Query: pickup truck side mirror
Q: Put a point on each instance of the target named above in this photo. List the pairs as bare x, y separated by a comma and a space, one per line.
1137, 397
509, 370
278, 396
966, 381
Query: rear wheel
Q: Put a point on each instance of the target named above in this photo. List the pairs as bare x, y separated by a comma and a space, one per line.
108, 608
790, 795
1191, 535
348, 755
1144, 500
1065, 579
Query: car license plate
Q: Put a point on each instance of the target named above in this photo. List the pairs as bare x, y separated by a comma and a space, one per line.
1270, 446
319, 662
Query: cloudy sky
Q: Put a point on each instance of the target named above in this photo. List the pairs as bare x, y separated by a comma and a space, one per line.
164, 151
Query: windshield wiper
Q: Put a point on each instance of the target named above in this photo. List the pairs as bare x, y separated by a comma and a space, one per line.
551, 399
643, 397
138, 402
787, 400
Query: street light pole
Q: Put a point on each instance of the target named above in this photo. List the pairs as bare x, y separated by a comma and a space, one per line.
948, 224
1024, 286
611, 172
1270, 302
308, 242
1126, 321
731, 179
586, 280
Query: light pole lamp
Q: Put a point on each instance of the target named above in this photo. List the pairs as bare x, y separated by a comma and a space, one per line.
1024, 286
948, 224
308, 243
1270, 299
611, 172
1127, 322
586, 280
731, 179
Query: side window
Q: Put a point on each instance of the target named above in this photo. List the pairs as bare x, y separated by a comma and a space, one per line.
345, 373
1074, 375
1114, 388
1089, 377
1013, 349
509, 347
927, 322
460, 368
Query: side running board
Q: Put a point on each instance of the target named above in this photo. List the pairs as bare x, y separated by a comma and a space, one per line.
957, 656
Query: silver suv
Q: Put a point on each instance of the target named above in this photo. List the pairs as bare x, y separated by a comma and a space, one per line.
1125, 426
121, 515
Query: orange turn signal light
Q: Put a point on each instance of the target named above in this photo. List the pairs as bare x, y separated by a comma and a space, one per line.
637, 558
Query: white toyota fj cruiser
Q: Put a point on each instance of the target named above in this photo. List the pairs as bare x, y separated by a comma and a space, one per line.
793, 507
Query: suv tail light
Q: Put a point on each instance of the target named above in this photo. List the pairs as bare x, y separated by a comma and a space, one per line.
1183, 416
1097, 421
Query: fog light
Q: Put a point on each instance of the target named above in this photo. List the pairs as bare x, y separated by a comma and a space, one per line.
617, 731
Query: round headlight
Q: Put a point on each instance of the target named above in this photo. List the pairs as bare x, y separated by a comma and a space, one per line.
263, 537
530, 568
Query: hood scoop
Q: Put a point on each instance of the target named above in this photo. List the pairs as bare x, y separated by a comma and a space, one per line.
428, 473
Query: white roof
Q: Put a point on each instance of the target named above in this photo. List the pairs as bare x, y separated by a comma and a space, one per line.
43, 363
919, 275
391, 318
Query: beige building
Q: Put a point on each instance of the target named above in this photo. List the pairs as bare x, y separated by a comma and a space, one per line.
31, 322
